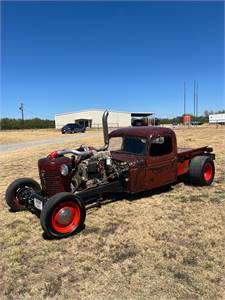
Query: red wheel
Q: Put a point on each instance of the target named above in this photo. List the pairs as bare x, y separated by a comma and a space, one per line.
208, 171
62, 215
201, 170
66, 217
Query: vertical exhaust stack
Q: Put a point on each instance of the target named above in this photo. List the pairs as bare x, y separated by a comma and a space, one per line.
105, 128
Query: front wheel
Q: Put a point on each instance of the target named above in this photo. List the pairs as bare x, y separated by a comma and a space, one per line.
17, 192
201, 170
63, 215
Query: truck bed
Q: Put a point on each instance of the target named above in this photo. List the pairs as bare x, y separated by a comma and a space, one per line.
184, 156
190, 152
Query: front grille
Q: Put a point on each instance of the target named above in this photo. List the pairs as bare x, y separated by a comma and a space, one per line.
51, 182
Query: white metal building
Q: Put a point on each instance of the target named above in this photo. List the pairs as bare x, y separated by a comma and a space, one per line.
93, 118
217, 119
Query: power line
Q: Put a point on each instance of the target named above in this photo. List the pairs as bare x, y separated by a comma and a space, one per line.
38, 115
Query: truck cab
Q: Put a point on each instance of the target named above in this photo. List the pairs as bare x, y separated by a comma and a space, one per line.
151, 152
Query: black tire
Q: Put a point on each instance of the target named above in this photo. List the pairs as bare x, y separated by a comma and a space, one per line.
201, 170
50, 215
13, 195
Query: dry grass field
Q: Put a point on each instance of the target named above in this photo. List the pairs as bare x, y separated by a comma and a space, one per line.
156, 245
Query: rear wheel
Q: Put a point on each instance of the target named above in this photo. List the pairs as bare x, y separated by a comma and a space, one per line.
201, 170
17, 192
63, 214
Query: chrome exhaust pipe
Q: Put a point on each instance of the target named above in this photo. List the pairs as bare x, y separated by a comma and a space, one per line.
62, 152
105, 128
73, 151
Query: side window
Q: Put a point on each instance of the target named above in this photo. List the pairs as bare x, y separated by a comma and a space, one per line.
161, 145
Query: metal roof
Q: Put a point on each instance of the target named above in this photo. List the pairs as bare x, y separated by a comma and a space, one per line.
97, 109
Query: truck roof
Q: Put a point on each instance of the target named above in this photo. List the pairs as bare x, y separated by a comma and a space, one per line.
142, 131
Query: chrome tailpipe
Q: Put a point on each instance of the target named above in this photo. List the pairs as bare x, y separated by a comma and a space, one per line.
105, 128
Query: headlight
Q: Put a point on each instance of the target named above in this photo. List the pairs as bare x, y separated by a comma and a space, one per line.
64, 170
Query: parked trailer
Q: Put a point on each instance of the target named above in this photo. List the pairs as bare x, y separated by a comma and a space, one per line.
217, 119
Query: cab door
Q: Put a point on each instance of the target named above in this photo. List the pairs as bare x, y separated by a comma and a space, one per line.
161, 162
137, 175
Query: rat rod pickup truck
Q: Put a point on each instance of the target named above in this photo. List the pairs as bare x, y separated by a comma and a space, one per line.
131, 161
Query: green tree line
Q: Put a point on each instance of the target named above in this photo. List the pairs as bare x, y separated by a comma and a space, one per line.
7, 123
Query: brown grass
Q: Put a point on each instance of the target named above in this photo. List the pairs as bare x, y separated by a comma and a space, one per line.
167, 245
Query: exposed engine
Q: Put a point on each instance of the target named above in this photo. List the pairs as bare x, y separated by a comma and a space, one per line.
97, 169
88, 167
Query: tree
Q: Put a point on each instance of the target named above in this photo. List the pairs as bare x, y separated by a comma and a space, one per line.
7, 123
206, 113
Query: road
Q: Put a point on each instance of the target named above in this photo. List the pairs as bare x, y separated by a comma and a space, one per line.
17, 146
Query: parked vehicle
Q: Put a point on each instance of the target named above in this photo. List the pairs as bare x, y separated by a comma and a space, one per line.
132, 160
73, 128
196, 123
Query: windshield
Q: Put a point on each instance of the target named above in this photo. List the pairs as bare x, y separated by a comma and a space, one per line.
135, 145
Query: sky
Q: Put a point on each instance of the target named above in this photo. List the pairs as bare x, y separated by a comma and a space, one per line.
129, 56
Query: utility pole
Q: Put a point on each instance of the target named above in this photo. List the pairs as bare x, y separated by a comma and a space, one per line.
21, 108
184, 97
194, 98
197, 100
